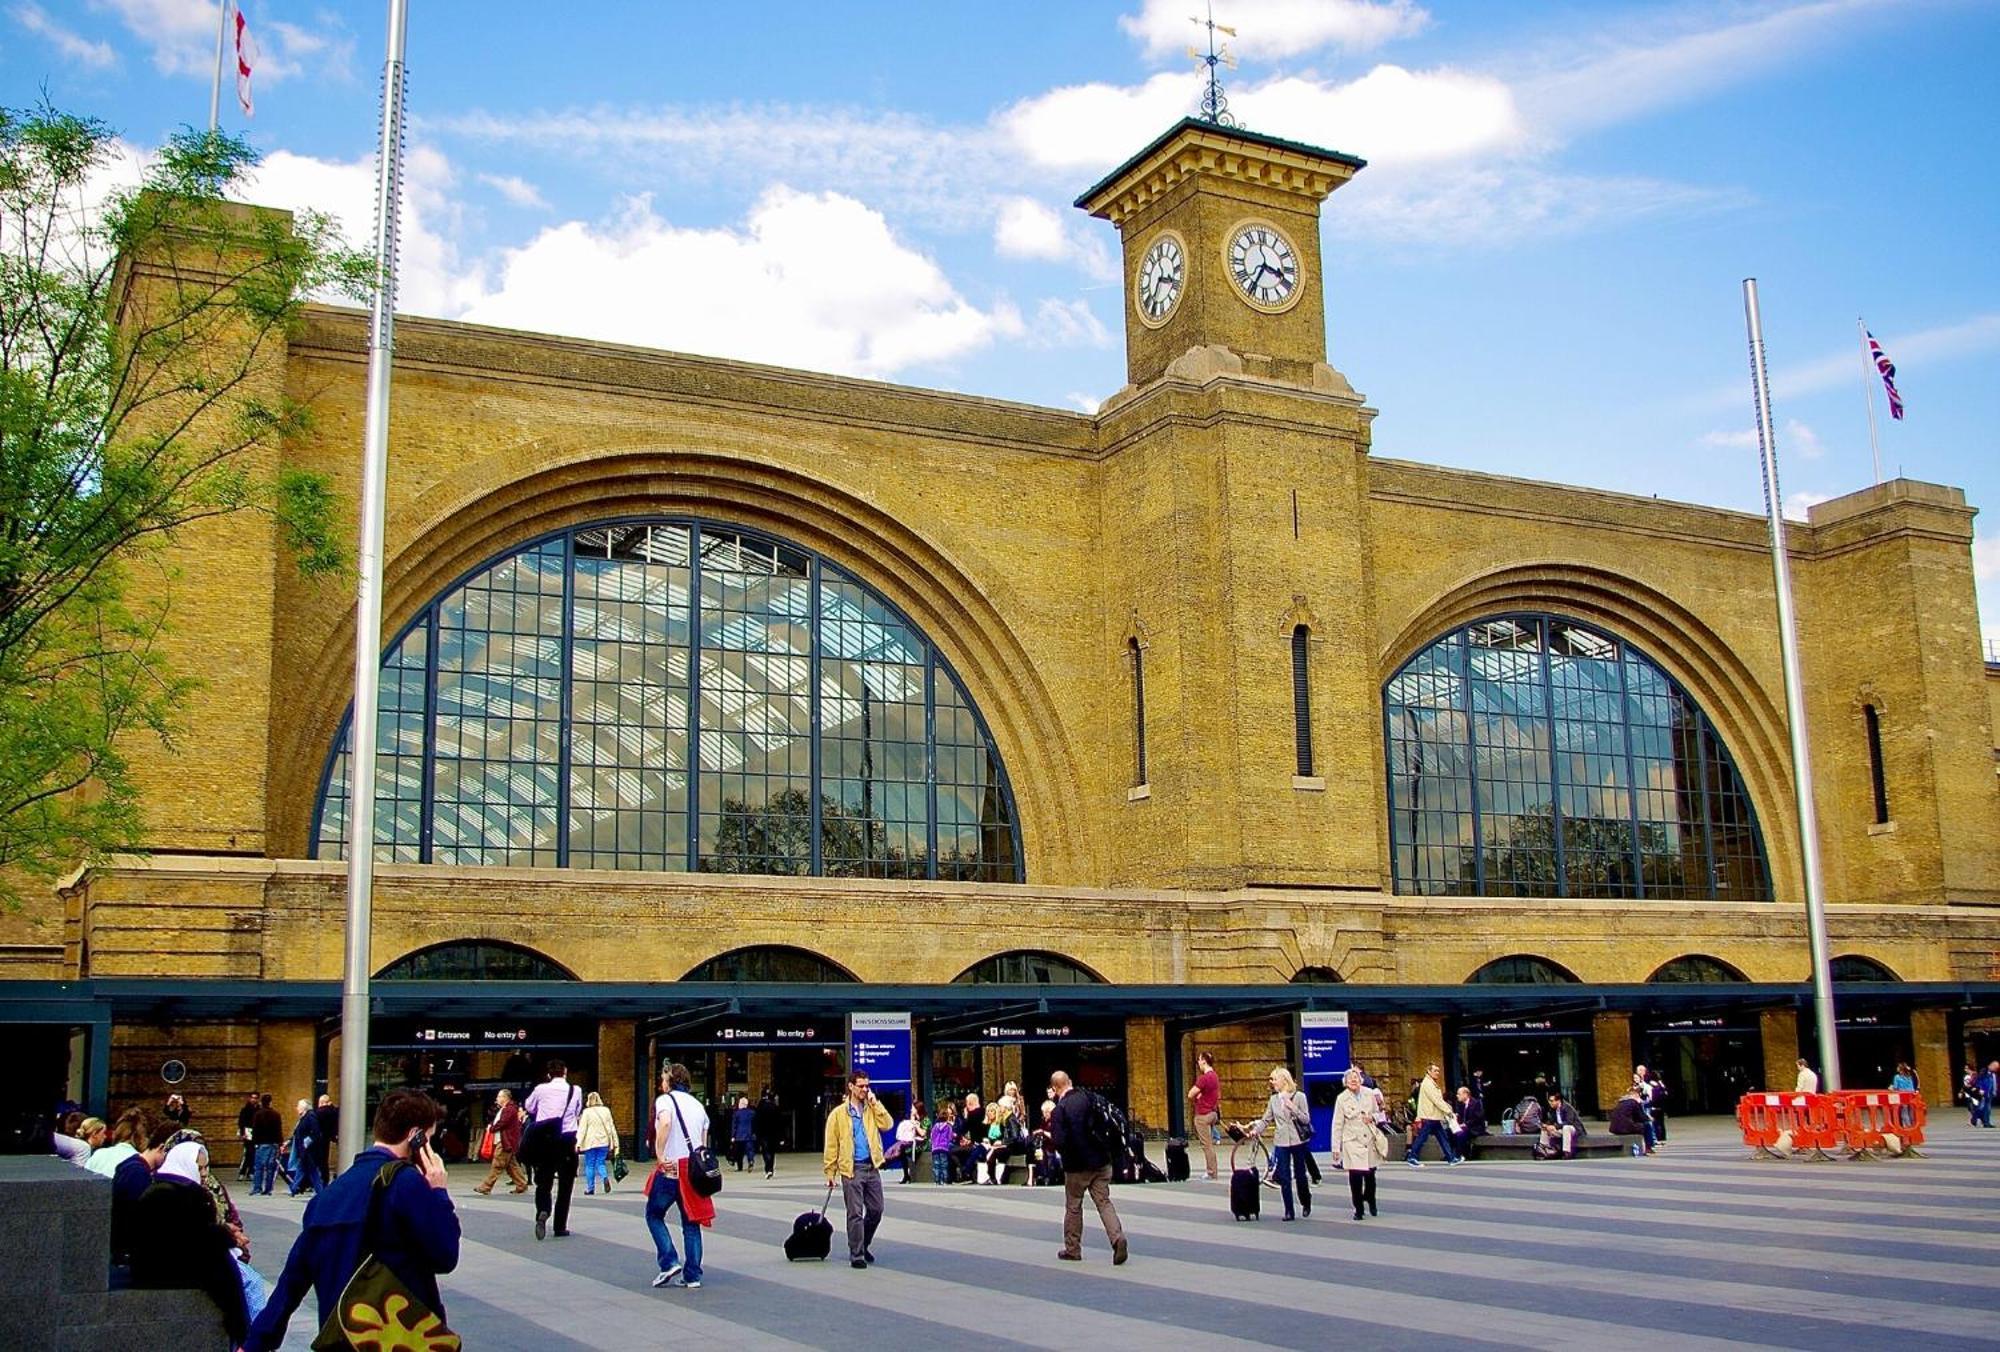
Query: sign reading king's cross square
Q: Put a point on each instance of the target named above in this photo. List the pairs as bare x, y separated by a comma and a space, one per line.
1325, 1053
879, 1046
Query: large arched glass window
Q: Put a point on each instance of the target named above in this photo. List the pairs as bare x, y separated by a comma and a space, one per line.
1853, 967
1025, 967
677, 696
1697, 969
1534, 756
474, 960
770, 962
1522, 969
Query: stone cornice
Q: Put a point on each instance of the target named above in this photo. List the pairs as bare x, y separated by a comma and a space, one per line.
1194, 148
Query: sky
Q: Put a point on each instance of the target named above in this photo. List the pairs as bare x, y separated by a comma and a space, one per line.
1539, 273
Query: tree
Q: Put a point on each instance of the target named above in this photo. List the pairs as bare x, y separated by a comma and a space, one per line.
141, 350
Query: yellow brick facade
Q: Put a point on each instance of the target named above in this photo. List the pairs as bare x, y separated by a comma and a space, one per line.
1226, 497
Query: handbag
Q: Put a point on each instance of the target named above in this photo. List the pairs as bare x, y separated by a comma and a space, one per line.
486, 1145
540, 1143
376, 1308
1381, 1144
619, 1169
704, 1169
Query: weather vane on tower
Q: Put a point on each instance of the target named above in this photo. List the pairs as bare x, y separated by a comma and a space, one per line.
1214, 107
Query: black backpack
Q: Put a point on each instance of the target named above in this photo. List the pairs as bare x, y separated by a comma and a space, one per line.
1106, 1128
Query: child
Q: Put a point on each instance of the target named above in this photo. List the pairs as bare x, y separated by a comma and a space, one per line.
943, 1130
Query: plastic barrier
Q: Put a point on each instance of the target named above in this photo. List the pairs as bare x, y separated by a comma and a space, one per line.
1870, 1123
1881, 1122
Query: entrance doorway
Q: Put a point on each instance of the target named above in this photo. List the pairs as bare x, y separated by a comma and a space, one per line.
1519, 1057
463, 1065
801, 1065
1707, 1063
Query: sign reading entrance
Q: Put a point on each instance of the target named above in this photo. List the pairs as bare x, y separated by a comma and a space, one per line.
878, 1046
1325, 1053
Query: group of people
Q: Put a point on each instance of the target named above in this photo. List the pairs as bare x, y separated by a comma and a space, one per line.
1978, 1088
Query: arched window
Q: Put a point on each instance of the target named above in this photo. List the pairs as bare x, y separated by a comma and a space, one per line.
1025, 967
1696, 969
770, 962
1138, 658
1534, 756
1873, 721
1853, 967
1315, 976
1302, 730
677, 696
474, 960
1523, 969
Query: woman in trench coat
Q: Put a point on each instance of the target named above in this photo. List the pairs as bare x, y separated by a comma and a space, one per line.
1357, 1141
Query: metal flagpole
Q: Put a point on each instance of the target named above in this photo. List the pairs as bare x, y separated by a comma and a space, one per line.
1795, 702
222, 8
368, 606
1868, 392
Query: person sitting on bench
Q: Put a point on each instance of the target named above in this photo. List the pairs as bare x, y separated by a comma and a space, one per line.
1628, 1118
1560, 1127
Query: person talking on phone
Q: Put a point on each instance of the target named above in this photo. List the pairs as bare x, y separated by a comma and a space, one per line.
417, 1231
853, 1159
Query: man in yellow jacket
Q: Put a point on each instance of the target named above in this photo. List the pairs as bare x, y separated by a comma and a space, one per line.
853, 1157
1434, 1116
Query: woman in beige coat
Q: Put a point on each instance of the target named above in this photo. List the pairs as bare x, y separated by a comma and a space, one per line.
1357, 1141
596, 1139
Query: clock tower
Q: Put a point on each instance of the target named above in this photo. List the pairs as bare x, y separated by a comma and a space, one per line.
1222, 262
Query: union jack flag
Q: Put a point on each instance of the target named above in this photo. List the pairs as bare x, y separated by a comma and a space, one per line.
1888, 370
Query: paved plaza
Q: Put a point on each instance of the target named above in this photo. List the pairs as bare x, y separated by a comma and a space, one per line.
1698, 1246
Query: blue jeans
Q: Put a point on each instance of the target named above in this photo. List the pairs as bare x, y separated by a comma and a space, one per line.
595, 1170
1291, 1165
666, 1196
1428, 1127
265, 1171
941, 1166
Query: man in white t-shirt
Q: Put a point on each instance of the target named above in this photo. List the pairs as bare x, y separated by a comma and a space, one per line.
1808, 1082
679, 1124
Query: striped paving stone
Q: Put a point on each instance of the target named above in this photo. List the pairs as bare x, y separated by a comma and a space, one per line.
1698, 1246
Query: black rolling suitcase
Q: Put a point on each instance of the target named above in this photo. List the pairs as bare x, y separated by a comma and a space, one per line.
1246, 1185
812, 1233
1177, 1160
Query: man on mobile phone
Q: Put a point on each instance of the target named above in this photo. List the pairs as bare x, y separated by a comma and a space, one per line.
853, 1158
416, 1231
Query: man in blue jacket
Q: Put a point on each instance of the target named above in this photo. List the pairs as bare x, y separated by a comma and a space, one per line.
418, 1234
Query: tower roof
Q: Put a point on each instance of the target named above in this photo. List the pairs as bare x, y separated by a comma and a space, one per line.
1193, 145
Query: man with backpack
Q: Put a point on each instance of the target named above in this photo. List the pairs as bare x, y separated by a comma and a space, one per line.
1089, 1136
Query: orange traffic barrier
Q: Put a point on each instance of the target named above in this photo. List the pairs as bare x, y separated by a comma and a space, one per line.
1884, 1122
1781, 1126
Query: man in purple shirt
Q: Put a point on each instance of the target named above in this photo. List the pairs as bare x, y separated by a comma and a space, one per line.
549, 1146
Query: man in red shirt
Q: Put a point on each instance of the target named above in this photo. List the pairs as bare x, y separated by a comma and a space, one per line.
1207, 1099
507, 1127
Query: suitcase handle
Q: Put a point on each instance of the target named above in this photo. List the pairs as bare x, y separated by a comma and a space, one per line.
829, 1198
1255, 1146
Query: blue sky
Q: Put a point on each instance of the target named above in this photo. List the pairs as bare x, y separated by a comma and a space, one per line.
1539, 273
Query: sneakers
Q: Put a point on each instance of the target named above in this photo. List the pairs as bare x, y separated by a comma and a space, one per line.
694, 1285
1414, 1164
662, 1278
767, 1173
857, 1263
1453, 1164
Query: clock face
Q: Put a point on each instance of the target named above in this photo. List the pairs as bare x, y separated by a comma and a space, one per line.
1264, 266
1162, 278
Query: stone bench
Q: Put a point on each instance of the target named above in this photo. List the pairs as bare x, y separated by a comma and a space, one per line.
1596, 1145
55, 1229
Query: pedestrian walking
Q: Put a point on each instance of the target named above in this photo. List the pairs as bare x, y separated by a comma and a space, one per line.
1656, 1099
1086, 1157
764, 1125
401, 1181
553, 1110
1287, 1124
328, 1113
596, 1143
267, 1132
1358, 1143
680, 1124
1808, 1081
1433, 1118
246, 1116
1989, 1088
506, 1127
304, 1149
909, 1132
853, 1158
742, 1134
1206, 1096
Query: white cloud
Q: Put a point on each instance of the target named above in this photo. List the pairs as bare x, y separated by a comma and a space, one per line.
1800, 440
1091, 127
1986, 557
1391, 116
516, 190
181, 34
1912, 352
1743, 440
71, 44
1026, 228
1270, 29
1083, 403
1067, 323
813, 280
1798, 503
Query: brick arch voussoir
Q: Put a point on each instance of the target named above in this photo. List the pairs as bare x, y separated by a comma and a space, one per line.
1749, 720
466, 520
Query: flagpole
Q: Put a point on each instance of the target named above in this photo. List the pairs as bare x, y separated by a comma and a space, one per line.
1795, 702
221, 36
1868, 391
368, 605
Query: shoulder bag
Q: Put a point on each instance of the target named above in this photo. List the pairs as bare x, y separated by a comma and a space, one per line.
542, 1141
376, 1308
704, 1169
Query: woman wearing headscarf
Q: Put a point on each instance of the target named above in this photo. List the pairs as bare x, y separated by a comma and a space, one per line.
178, 1241
1357, 1141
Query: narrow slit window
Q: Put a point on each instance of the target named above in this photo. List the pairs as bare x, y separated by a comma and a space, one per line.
1302, 702
1876, 779
1138, 710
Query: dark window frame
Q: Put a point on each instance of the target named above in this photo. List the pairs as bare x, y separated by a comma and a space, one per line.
1877, 781
1302, 733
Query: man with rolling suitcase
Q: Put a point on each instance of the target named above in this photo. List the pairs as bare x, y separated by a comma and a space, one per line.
1086, 1136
